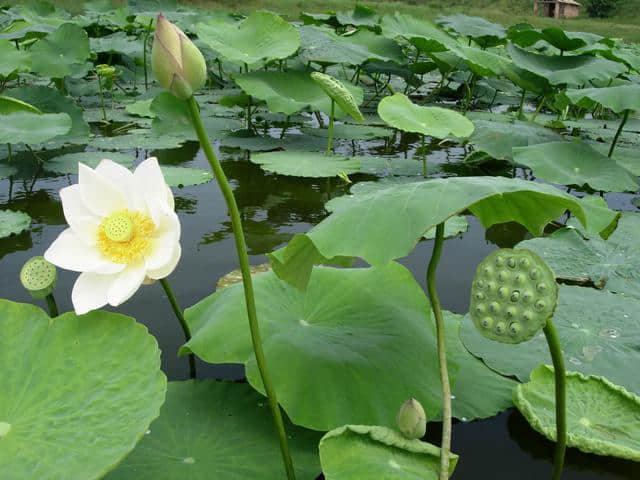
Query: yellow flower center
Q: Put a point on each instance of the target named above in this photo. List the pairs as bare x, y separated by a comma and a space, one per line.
124, 236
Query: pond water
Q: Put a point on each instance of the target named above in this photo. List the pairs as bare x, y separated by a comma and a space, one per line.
273, 208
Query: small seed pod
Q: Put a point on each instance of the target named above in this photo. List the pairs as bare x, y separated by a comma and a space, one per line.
339, 94
411, 419
39, 277
524, 300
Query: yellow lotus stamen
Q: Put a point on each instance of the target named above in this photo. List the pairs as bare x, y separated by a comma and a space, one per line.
124, 236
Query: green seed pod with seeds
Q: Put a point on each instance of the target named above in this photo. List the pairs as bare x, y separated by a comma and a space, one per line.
39, 277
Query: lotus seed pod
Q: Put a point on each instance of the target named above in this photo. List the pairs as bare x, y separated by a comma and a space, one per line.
523, 297
39, 277
411, 419
339, 94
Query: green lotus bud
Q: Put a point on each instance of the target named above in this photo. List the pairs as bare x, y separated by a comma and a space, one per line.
336, 90
177, 63
524, 296
39, 277
411, 419
105, 71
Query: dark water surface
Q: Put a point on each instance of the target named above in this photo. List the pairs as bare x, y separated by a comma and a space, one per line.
273, 208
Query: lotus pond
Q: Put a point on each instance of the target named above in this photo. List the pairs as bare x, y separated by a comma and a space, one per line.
440, 218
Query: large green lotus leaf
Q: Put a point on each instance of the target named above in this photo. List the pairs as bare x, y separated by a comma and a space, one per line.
421, 33
527, 80
365, 226
220, 430
360, 16
599, 333
350, 131
581, 257
62, 52
32, 128
185, 176
137, 138
333, 349
290, 92
401, 113
13, 222
262, 36
306, 164
49, 100
559, 38
569, 69
141, 108
68, 162
325, 46
479, 392
12, 105
249, 141
618, 99
78, 392
482, 62
452, 227
497, 138
483, 32
600, 218
13, 60
575, 163
118, 42
363, 452
602, 418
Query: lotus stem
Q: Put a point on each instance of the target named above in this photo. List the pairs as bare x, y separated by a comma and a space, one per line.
521, 109
9, 153
424, 158
330, 130
445, 447
104, 113
618, 132
183, 323
144, 54
53, 307
561, 398
241, 248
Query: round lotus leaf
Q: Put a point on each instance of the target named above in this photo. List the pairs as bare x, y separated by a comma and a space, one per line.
602, 417
32, 128
513, 295
351, 132
13, 222
399, 112
138, 138
305, 164
61, 53
421, 33
485, 33
185, 176
618, 99
333, 348
363, 452
68, 163
78, 393
216, 430
340, 94
262, 36
598, 331
13, 59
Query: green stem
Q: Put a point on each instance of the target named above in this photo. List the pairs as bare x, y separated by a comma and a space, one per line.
53, 307
104, 113
561, 398
445, 448
144, 54
424, 158
330, 131
538, 109
183, 323
618, 132
520, 110
241, 248
9, 152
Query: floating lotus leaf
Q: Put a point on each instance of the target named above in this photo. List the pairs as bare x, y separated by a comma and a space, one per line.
362, 452
13, 222
618, 99
484, 33
349, 131
137, 138
185, 176
220, 430
141, 108
400, 112
602, 418
73, 403
32, 128
13, 60
68, 163
569, 69
360, 16
559, 38
575, 163
598, 331
118, 42
315, 343
497, 138
292, 91
61, 53
262, 36
306, 164
249, 141
365, 226
581, 257
339, 93
421, 33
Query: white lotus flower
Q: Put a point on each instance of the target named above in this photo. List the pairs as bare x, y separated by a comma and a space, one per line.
123, 231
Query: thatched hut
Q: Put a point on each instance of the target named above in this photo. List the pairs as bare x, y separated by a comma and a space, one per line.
556, 8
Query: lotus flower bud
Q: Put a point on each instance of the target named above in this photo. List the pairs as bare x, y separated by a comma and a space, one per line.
39, 277
177, 63
411, 419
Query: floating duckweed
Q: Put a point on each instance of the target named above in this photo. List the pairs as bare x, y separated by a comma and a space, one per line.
517, 290
39, 277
